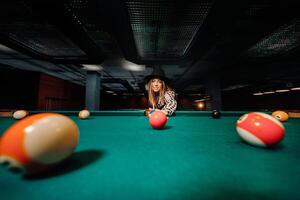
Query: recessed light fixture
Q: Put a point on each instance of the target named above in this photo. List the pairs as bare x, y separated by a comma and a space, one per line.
200, 105
89, 67
296, 88
108, 91
7, 49
269, 92
133, 67
199, 100
283, 90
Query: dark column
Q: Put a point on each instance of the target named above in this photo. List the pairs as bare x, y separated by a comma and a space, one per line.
213, 89
92, 90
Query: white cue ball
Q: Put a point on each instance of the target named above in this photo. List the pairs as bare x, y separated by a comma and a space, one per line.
20, 114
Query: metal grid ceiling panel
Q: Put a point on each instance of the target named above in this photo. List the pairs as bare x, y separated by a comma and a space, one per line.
257, 9
42, 38
165, 28
85, 13
115, 86
19, 23
280, 41
82, 12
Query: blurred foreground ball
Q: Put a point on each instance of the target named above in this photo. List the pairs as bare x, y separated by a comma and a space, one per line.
38, 141
260, 129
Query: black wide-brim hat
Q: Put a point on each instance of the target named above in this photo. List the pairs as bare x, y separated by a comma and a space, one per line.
157, 73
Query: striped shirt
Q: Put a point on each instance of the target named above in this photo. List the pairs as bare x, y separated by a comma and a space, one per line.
170, 103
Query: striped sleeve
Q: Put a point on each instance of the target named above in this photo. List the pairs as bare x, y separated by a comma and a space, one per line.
170, 102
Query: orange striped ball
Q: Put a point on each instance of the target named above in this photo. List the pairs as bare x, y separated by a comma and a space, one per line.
38, 141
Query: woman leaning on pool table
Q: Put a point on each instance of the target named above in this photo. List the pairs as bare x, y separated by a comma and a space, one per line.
160, 95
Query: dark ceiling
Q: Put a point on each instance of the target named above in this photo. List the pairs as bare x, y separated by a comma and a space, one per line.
249, 45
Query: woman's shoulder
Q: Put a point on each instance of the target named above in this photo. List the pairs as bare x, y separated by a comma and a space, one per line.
170, 92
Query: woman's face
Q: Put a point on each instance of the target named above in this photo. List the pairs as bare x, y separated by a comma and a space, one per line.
156, 85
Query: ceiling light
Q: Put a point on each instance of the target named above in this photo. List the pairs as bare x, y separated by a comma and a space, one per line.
133, 67
89, 67
269, 92
258, 93
296, 88
108, 91
200, 105
6, 49
234, 87
284, 90
199, 100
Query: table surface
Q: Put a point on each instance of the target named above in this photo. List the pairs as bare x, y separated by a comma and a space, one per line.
195, 157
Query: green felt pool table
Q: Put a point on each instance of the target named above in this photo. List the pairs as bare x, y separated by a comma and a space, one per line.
120, 156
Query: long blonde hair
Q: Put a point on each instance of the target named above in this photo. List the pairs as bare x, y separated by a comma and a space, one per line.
155, 99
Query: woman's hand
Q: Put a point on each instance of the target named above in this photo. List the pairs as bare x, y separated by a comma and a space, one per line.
165, 112
153, 110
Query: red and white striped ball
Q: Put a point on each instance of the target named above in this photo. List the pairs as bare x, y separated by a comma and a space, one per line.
38, 141
260, 129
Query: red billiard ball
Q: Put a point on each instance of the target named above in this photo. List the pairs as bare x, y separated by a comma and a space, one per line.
37, 142
260, 129
158, 120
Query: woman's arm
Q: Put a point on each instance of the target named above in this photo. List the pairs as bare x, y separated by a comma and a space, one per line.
170, 103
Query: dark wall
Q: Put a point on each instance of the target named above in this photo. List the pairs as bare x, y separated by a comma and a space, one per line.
57, 94
247, 101
35, 91
18, 89
111, 102
185, 103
